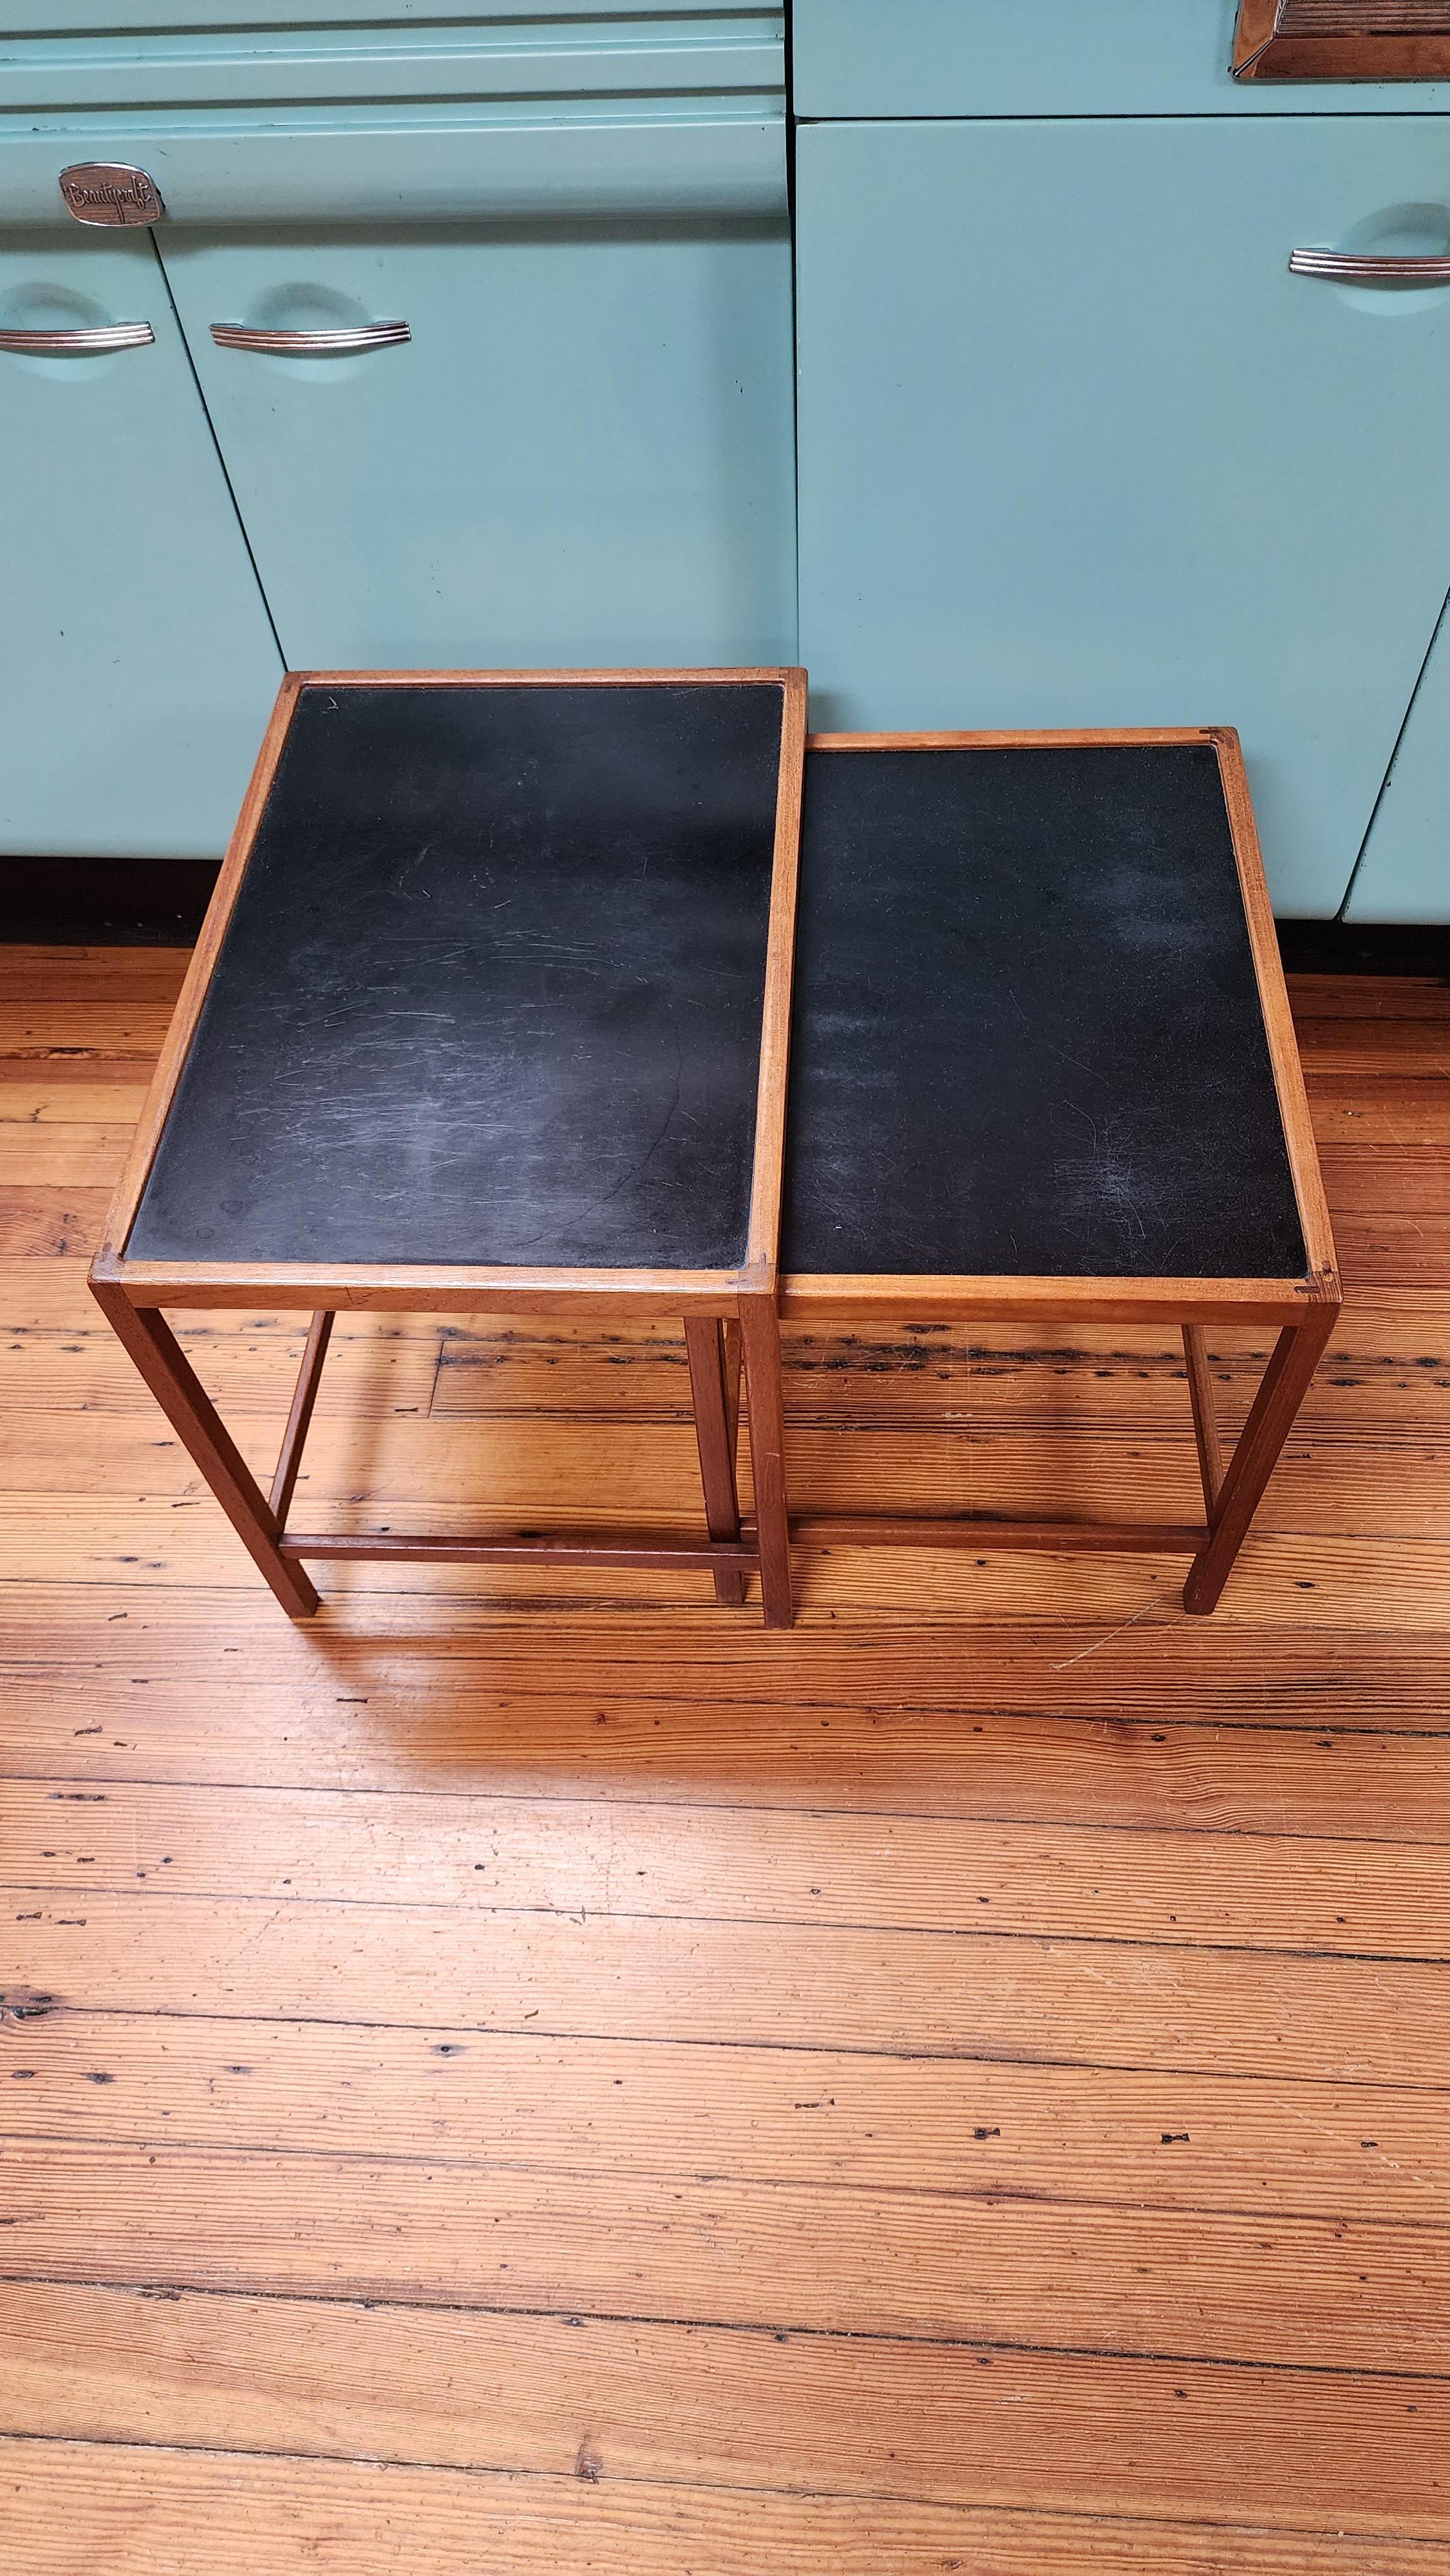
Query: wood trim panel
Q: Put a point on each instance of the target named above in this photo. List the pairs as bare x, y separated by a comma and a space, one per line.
1342, 40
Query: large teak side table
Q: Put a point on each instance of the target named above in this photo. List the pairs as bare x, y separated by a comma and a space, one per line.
1043, 1068
490, 1012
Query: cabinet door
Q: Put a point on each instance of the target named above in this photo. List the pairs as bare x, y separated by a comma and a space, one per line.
1077, 449
137, 666
1404, 873
583, 454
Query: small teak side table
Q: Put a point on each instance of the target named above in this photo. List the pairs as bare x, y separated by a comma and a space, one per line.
1043, 1067
490, 1013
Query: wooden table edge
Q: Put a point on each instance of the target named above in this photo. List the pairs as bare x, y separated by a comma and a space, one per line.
440, 1288
828, 1297
1294, 1112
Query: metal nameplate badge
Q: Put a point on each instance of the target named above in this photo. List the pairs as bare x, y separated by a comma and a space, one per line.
110, 192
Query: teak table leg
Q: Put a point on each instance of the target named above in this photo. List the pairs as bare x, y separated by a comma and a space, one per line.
731, 1331
1285, 1383
1205, 1424
760, 1339
715, 1439
183, 1399
299, 1420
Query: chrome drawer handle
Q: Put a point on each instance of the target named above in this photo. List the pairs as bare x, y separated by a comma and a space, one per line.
1350, 268
93, 343
310, 344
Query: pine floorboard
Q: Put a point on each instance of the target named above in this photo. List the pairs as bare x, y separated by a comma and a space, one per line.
530, 2071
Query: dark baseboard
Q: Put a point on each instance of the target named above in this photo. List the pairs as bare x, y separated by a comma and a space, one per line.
159, 903
142, 903
1365, 948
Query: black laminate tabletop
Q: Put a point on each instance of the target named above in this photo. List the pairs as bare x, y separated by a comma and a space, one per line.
491, 990
1027, 1036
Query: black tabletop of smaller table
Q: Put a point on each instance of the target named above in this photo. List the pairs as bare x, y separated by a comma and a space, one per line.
491, 991
1028, 1039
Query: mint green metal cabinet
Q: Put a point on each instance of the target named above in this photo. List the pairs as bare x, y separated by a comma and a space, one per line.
1054, 58
582, 454
136, 661
1077, 449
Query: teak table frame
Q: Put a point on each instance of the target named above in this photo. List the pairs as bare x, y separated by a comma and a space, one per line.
1305, 1310
730, 1316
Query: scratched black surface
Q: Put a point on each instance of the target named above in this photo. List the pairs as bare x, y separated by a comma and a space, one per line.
1027, 1034
491, 990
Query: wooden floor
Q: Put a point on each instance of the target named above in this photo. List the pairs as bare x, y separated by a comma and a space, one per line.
516, 2077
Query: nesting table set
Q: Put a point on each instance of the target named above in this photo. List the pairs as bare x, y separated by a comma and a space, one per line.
608, 994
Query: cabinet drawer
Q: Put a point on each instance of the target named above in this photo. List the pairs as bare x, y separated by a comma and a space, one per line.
1051, 58
720, 56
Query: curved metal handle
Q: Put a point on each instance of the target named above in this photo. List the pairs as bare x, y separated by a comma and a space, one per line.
1351, 268
93, 343
310, 344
